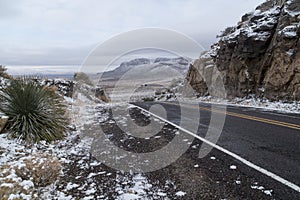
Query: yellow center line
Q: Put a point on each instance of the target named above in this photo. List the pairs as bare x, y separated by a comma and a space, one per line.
249, 117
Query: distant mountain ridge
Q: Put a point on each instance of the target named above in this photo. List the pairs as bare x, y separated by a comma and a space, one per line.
154, 67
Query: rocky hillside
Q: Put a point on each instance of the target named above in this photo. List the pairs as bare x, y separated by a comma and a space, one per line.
260, 55
62, 86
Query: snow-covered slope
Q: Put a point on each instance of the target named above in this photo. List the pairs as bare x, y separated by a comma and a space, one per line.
157, 68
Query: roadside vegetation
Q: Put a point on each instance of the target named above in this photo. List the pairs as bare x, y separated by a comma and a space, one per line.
82, 77
34, 112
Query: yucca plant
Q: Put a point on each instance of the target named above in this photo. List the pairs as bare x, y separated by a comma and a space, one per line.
35, 112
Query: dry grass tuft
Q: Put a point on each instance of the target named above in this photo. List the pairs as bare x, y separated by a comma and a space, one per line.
41, 169
11, 187
25, 178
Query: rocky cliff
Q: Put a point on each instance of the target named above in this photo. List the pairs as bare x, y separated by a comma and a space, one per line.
260, 55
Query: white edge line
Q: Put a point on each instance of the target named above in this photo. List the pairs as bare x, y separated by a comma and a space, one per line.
246, 162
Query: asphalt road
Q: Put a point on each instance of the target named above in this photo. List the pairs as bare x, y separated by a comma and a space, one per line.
268, 139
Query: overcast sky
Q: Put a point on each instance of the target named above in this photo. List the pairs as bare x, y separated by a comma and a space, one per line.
63, 32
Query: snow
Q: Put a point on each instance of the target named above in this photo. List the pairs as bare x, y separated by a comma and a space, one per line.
268, 192
90, 191
262, 188
88, 198
162, 194
68, 99
139, 187
11, 149
290, 52
26, 184
9, 185
247, 72
70, 186
256, 13
290, 34
292, 13
128, 196
289, 12
258, 28
259, 36
251, 102
62, 196
19, 196
206, 55
13, 196
180, 193
289, 31
3, 82
232, 167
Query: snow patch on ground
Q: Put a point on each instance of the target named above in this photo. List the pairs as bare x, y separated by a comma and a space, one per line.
232, 167
180, 193
262, 188
138, 187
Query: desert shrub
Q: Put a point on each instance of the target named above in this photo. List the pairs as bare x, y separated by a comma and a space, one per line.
82, 77
11, 186
23, 179
41, 169
35, 112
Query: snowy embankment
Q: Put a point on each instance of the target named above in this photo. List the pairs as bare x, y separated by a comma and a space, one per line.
174, 93
264, 104
65, 169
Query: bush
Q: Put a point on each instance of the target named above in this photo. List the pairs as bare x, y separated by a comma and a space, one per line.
11, 186
35, 112
41, 169
24, 179
82, 77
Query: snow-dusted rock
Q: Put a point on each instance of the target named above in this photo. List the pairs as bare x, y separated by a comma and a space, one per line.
261, 51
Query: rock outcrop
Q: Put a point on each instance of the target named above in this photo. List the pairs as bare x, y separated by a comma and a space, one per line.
260, 55
63, 87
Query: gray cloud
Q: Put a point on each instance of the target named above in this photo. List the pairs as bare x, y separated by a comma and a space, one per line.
9, 9
64, 31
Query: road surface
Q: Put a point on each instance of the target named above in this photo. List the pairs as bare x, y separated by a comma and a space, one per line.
268, 139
